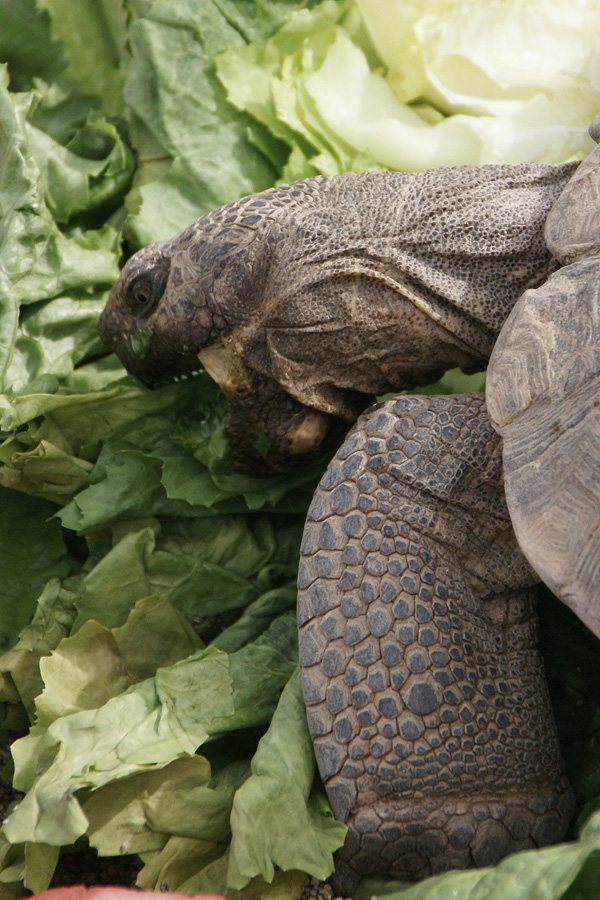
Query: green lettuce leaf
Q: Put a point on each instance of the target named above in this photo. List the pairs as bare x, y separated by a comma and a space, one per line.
190, 562
205, 571
26, 44
20, 677
38, 261
32, 551
140, 813
274, 820
94, 729
92, 170
172, 91
93, 35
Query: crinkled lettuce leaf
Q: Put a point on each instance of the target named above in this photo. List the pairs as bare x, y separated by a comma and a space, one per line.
171, 90
206, 570
122, 450
95, 730
40, 263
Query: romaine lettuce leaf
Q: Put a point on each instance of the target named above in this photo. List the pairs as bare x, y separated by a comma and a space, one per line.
39, 262
93, 35
278, 792
95, 727
172, 90
26, 44
32, 551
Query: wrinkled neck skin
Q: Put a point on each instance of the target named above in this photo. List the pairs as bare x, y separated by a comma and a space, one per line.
306, 301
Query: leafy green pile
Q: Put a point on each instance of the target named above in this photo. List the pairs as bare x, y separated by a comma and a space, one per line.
147, 599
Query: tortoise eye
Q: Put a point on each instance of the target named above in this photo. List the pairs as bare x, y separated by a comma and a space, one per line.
145, 292
141, 293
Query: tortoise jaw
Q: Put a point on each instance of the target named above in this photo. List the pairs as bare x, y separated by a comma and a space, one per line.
143, 360
164, 369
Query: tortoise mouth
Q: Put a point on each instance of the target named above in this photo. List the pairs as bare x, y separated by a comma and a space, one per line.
145, 354
163, 369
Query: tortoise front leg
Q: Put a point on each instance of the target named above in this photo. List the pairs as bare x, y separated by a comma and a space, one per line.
426, 695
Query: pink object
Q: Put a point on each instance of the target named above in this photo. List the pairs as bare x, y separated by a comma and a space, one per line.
107, 892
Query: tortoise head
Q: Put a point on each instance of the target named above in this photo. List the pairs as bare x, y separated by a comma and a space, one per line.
179, 296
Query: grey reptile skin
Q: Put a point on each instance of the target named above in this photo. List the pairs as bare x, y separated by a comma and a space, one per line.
425, 691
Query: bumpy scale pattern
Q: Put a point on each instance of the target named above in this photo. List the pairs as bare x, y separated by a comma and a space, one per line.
425, 692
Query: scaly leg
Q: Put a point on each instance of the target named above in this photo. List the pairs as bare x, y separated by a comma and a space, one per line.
426, 695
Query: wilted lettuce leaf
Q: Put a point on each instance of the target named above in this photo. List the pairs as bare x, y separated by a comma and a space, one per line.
188, 562
274, 820
205, 570
119, 812
79, 744
20, 678
139, 730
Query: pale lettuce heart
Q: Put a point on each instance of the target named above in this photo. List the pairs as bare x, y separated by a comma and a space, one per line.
533, 66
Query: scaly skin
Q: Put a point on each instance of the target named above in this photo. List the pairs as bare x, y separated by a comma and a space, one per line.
425, 691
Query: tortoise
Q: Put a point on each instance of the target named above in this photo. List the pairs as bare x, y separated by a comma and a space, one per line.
438, 516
